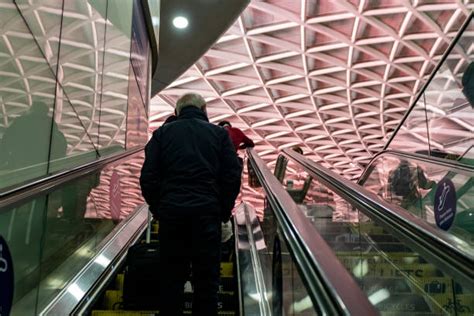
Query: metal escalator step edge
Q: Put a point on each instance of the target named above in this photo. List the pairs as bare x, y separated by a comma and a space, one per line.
123, 313
113, 299
119, 282
147, 313
227, 269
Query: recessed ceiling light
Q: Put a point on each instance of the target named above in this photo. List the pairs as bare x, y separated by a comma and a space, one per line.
180, 22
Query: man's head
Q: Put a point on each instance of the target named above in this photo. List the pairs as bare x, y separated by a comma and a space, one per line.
298, 149
224, 124
190, 99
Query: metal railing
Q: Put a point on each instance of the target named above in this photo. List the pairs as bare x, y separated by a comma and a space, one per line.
95, 275
449, 252
453, 165
44, 185
331, 287
250, 270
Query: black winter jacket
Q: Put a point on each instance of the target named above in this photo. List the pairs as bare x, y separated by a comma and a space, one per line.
190, 168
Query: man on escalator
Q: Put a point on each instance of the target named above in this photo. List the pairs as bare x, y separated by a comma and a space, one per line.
405, 182
190, 179
468, 83
239, 139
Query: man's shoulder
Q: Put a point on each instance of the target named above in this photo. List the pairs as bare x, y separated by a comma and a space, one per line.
213, 127
157, 132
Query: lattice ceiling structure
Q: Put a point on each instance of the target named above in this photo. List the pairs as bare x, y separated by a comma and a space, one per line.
29, 65
30, 59
334, 77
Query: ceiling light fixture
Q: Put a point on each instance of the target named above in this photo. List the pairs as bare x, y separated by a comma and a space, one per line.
180, 22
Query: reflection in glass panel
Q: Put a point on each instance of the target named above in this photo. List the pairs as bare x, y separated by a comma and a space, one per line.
445, 108
413, 134
51, 237
287, 292
396, 278
115, 81
127, 175
451, 114
137, 120
415, 188
43, 19
71, 144
140, 51
294, 296
27, 92
81, 60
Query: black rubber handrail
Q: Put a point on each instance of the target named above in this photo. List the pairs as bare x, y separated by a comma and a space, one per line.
450, 253
331, 287
454, 165
433, 73
27, 191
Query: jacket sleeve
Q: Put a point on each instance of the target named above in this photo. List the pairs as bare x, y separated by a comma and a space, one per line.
149, 177
247, 142
423, 182
229, 177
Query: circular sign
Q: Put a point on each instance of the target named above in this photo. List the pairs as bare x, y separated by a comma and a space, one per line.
115, 196
445, 204
6, 278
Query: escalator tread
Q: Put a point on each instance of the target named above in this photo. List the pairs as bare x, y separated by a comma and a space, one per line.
112, 301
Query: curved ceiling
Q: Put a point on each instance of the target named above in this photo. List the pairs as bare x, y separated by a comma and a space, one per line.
179, 49
334, 77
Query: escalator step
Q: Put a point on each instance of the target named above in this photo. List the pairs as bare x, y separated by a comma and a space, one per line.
384, 269
123, 313
113, 299
147, 313
227, 269
119, 282
460, 304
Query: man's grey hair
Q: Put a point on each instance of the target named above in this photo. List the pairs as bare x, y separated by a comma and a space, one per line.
190, 99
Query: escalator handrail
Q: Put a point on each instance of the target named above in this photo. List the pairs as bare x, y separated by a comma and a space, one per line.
328, 282
41, 186
432, 75
243, 220
95, 274
451, 164
435, 244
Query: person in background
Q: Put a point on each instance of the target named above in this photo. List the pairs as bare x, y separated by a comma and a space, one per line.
468, 83
32, 140
239, 139
298, 194
190, 179
405, 182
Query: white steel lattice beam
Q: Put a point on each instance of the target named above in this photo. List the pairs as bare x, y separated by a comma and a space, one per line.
330, 76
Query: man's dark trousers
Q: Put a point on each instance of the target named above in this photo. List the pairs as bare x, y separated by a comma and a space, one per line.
191, 240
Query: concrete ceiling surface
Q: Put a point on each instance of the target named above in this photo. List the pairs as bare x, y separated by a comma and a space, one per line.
180, 48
